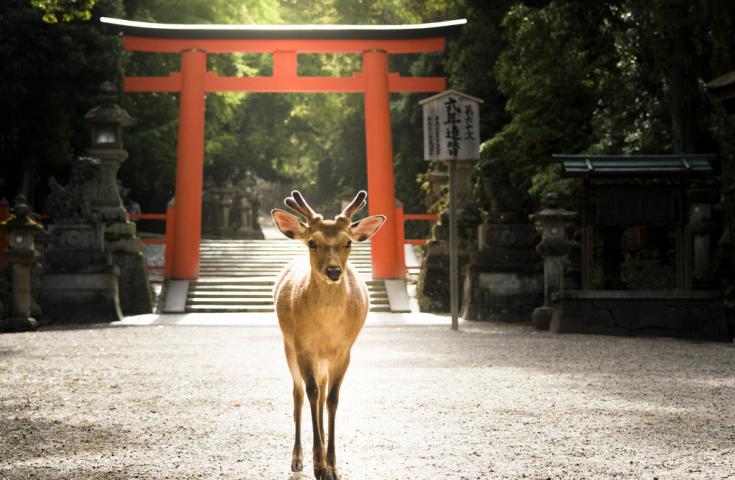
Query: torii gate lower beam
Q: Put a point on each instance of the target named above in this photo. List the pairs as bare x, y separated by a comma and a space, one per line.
194, 81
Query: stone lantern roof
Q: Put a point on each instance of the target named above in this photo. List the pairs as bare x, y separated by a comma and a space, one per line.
552, 211
109, 111
20, 221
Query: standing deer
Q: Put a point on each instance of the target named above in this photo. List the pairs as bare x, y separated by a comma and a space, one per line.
321, 305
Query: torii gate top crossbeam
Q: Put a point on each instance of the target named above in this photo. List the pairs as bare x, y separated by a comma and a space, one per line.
165, 37
285, 42
321, 32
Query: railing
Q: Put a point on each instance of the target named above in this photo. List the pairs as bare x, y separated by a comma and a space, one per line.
167, 241
402, 240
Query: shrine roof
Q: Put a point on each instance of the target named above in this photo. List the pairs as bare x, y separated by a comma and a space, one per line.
637, 165
214, 31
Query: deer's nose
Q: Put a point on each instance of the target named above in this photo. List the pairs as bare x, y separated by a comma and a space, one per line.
333, 273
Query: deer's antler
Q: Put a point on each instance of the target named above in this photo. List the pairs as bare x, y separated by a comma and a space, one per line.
297, 203
354, 206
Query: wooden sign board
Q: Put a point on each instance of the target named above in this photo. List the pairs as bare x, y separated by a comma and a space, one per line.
451, 122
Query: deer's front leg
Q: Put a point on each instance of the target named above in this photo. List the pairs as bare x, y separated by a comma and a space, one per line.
314, 392
336, 374
297, 457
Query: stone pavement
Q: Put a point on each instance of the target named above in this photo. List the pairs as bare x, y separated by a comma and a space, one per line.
419, 402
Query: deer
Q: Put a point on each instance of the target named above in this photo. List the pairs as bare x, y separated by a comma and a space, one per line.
321, 304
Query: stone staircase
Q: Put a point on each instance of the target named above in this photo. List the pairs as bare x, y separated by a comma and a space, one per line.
238, 275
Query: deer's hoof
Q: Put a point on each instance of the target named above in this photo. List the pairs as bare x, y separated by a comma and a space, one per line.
326, 474
297, 464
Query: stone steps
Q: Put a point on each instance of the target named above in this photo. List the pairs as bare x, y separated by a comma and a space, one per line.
238, 275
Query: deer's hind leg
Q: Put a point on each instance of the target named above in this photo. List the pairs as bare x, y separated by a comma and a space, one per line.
297, 456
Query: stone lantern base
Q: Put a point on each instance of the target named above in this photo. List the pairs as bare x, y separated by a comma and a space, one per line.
81, 297
126, 251
503, 281
79, 283
21, 324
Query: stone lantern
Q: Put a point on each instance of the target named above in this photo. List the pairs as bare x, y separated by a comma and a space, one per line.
22, 256
554, 247
106, 122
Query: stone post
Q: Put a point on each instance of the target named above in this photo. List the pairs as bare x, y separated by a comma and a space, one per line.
106, 122
21, 256
699, 232
554, 247
226, 198
246, 209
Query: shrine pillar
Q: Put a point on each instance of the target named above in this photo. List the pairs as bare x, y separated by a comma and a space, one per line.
189, 166
379, 144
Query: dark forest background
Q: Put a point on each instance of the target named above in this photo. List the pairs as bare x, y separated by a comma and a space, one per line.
622, 76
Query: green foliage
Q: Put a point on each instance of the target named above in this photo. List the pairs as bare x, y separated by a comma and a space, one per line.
619, 77
64, 10
50, 72
562, 76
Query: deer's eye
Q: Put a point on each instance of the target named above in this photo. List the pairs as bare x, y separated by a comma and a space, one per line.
348, 244
312, 244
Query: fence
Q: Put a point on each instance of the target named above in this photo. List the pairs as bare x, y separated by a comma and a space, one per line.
167, 241
401, 218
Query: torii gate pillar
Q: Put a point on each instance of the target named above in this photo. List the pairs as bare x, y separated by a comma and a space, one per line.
189, 166
379, 144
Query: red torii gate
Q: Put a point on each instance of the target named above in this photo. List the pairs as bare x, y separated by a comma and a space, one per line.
284, 42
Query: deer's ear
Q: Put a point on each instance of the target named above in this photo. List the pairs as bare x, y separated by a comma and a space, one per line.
288, 224
366, 228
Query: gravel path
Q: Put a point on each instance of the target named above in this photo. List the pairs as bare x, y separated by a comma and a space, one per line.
492, 401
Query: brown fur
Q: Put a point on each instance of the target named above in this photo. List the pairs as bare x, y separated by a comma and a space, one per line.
320, 319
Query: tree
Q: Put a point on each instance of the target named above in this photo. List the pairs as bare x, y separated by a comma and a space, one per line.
51, 72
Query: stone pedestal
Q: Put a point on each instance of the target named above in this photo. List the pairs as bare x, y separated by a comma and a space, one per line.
503, 280
80, 282
695, 315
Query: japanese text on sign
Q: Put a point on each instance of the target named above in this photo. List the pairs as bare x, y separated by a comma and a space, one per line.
451, 126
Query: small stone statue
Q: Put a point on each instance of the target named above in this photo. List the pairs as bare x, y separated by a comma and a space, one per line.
70, 203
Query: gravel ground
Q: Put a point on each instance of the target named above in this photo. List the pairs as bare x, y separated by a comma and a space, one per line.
492, 401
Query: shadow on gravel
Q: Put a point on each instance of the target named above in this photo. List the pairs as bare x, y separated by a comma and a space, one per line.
27, 438
644, 370
8, 352
40, 473
75, 326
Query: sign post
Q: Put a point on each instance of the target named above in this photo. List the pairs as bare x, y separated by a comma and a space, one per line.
451, 124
